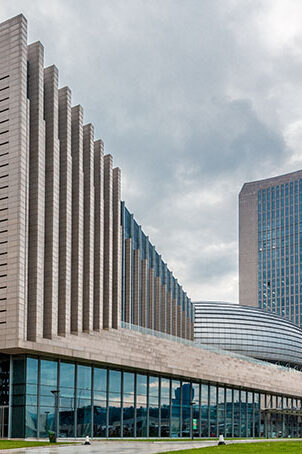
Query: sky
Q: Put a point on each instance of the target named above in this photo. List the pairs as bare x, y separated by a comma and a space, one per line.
192, 98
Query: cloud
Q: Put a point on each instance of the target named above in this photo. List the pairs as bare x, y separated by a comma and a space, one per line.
192, 99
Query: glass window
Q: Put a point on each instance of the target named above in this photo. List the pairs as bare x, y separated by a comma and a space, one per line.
220, 411
114, 403
250, 428
243, 414
228, 412
49, 374
100, 402
67, 395
205, 411
195, 411
84, 401
153, 407
213, 411
141, 405
176, 402
31, 411
128, 404
165, 407
186, 409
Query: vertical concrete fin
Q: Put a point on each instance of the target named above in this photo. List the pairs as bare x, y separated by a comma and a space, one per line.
14, 154
144, 270
77, 219
117, 250
108, 237
36, 192
136, 281
88, 166
52, 191
98, 234
157, 303
163, 308
65, 225
151, 298
128, 280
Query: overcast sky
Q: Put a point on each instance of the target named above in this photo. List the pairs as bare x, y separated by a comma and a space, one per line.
192, 98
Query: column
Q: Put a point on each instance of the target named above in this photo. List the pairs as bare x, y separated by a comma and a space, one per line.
117, 250
128, 279
52, 195
98, 234
65, 211
77, 219
88, 275
108, 238
14, 154
36, 226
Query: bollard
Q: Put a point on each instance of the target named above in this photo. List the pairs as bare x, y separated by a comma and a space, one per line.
221, 440
87, 442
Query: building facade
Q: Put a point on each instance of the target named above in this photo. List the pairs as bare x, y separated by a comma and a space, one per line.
270, 245
151, 296
96, 333
248, 331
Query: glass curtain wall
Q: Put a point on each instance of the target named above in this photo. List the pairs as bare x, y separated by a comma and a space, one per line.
102, 402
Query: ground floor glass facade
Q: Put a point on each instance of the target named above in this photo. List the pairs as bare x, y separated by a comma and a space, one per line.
104, 402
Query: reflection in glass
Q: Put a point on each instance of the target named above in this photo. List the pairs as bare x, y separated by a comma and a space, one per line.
66, 413
250, 414
243, 414
228, 413
49, 374
114, 404
84, 401
176, 401
165, 407
31, 411
128, 404
186, 410
196, 416
141, 405
220, 412
99, 402
204, 411
213, 412
153, 407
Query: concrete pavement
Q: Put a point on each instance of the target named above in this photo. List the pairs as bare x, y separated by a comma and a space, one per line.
129, 447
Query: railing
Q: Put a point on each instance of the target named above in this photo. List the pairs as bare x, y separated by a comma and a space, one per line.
160, 335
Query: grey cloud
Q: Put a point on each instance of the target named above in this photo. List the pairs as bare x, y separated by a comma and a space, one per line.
190, 103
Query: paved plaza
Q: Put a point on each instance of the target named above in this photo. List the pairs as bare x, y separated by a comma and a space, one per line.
130, 447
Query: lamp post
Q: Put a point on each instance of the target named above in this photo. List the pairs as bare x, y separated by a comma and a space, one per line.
192, 403
56, 393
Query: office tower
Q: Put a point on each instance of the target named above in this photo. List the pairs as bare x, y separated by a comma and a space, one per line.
270, 245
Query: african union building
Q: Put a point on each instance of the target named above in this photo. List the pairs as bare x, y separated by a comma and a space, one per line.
96, 333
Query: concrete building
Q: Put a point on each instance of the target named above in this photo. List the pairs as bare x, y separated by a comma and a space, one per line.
96, 333
270, 245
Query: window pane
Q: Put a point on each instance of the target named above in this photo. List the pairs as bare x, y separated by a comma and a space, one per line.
175, 422
128, 387
66, 412
165, 407
49, 373
204, 410
153, 406
84, 401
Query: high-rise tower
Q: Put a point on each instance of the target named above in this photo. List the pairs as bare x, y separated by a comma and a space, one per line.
270, 245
